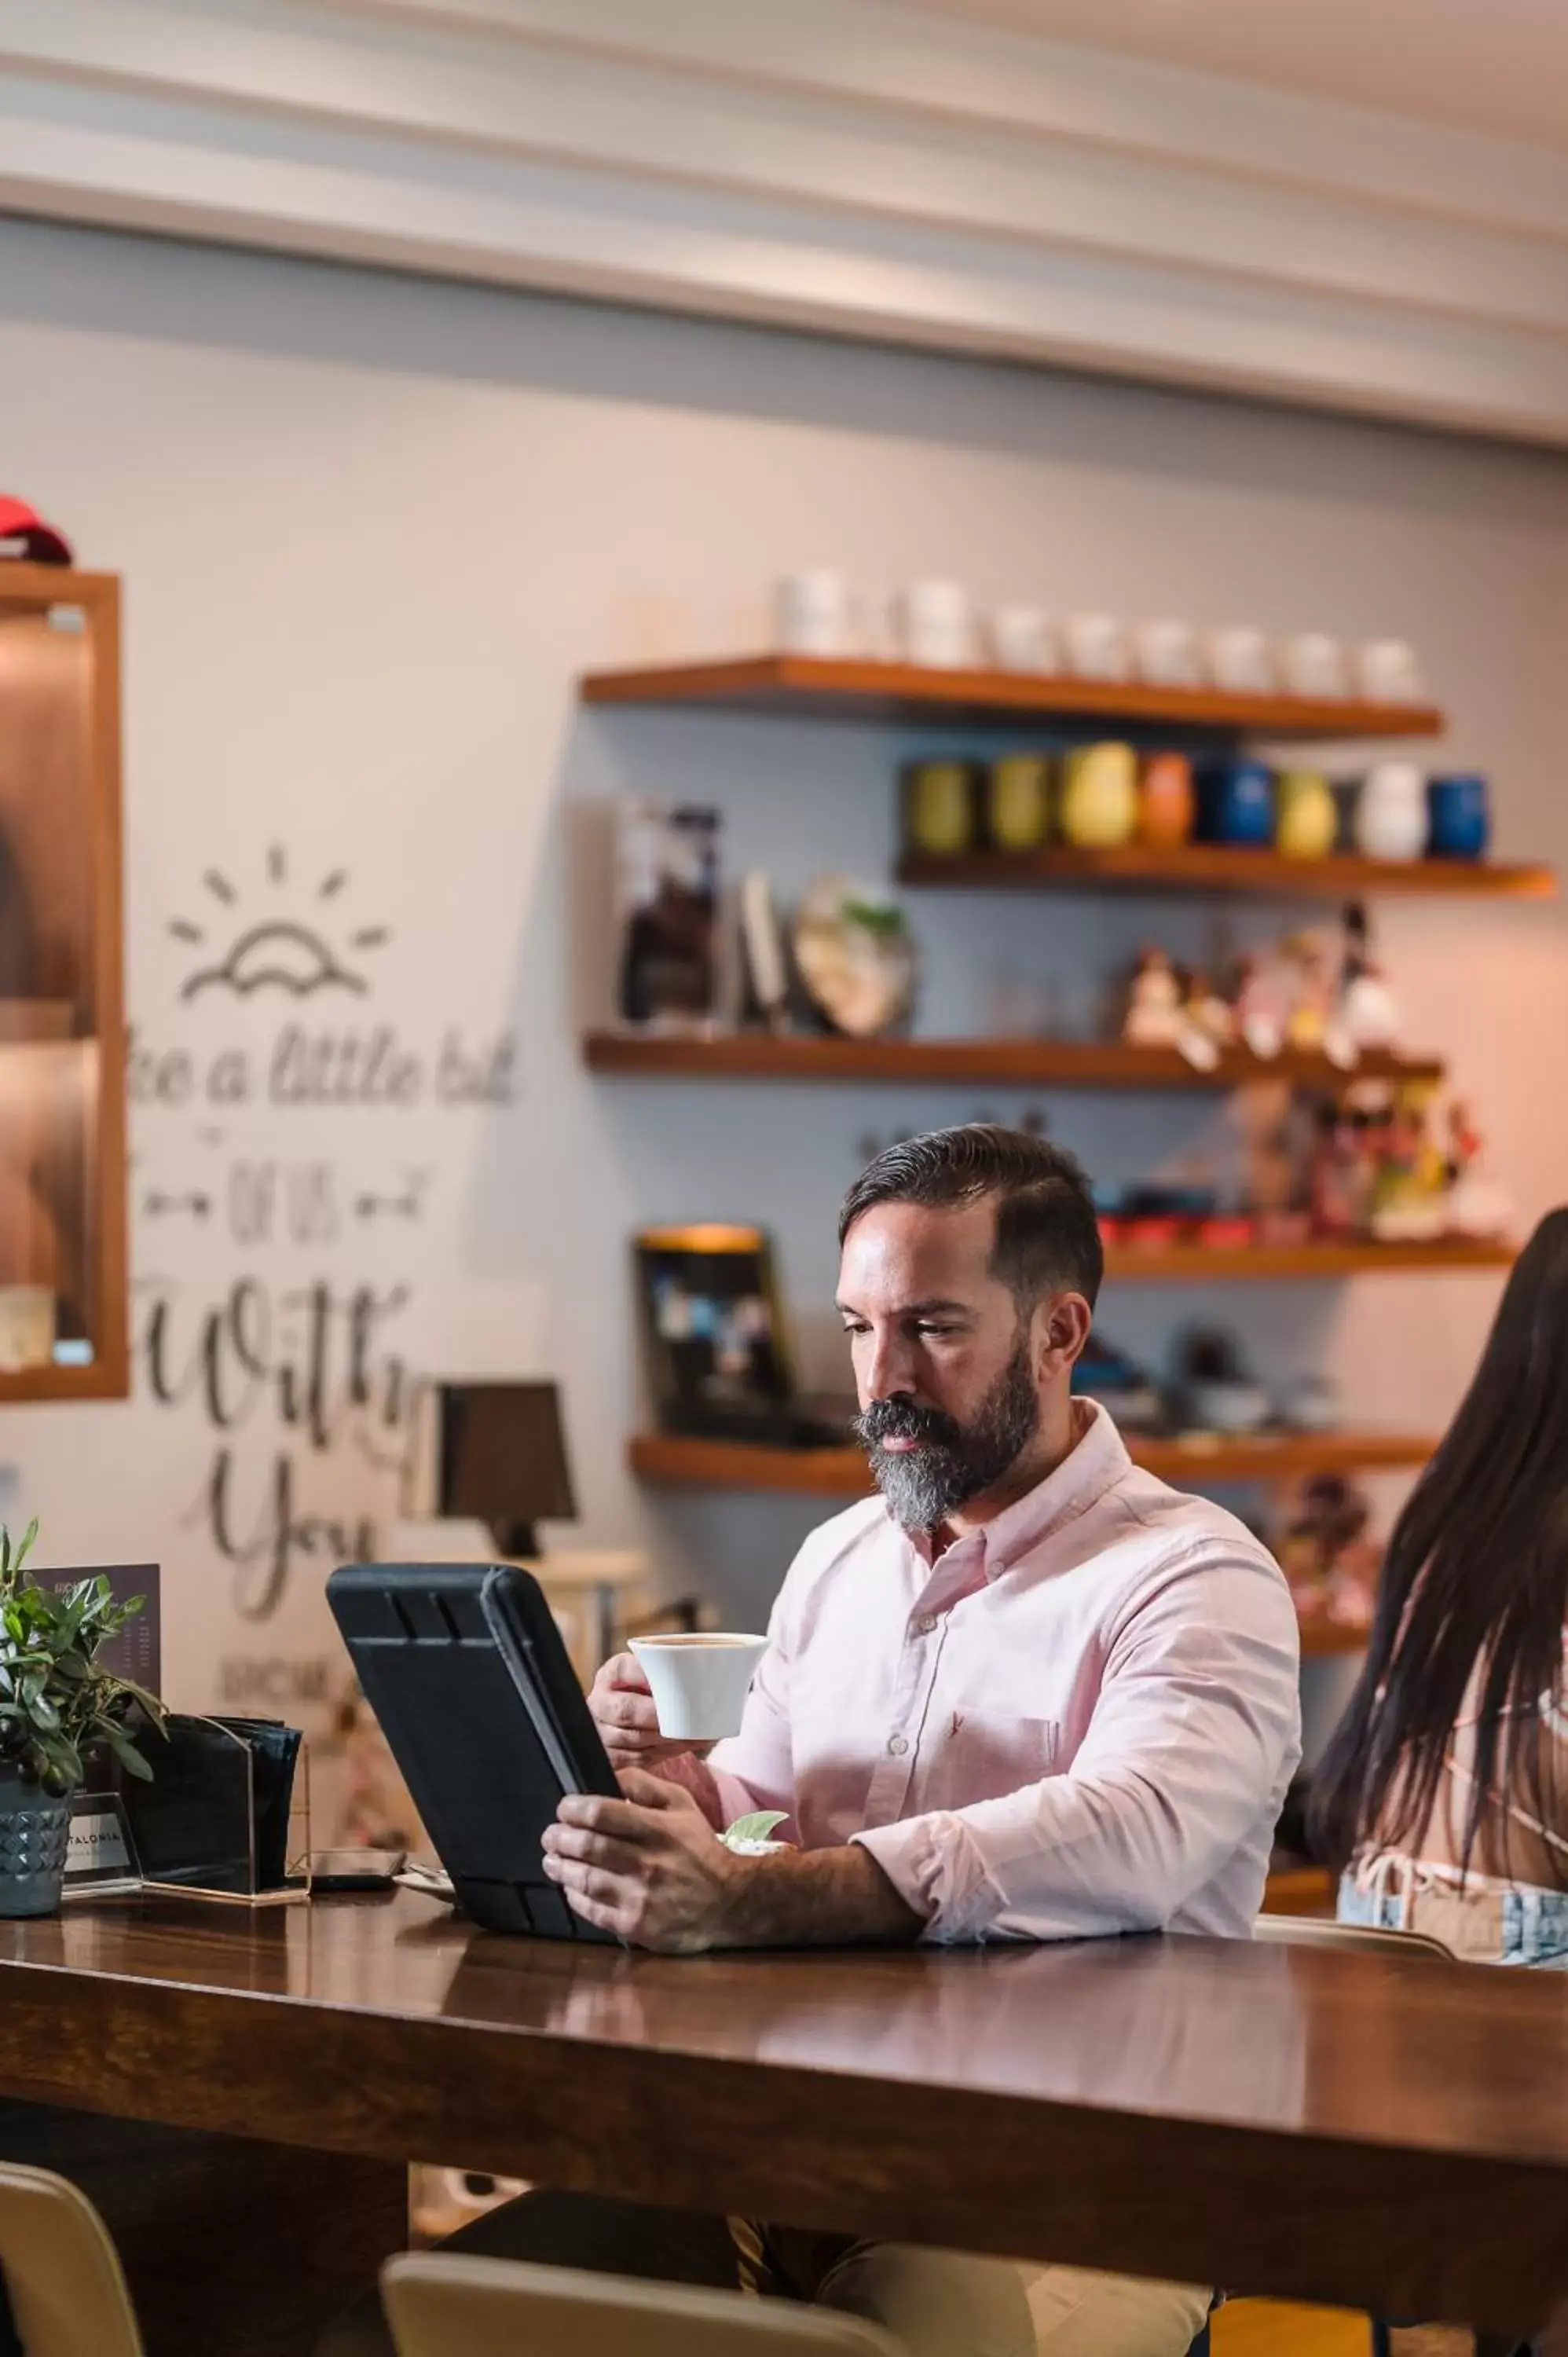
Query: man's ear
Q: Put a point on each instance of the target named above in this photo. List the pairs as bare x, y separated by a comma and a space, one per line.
1061, 1324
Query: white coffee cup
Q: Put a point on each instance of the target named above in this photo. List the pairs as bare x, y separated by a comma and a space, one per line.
936, 626
699, 1681
1022, 639
1166, 654
1312, 665
813, 613
1387, 671
1097, 646
1240, 660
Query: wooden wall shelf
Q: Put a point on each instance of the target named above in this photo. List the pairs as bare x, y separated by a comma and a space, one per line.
1020, 1063
62, 1142
1136, 867
673, 1462
1198, 1264
800, 688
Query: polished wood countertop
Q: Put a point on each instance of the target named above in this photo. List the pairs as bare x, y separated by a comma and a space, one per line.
1379, 2130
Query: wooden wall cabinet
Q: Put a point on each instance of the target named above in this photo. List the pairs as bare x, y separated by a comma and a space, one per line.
62, 1027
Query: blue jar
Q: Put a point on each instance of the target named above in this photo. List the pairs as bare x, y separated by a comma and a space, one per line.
1236, 802
1458, 818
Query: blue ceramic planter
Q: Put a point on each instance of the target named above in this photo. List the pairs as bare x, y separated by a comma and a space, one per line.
34, 1830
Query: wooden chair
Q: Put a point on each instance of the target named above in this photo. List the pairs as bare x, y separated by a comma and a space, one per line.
1322, 1932
449, 2305
61, 2275
1318, 1932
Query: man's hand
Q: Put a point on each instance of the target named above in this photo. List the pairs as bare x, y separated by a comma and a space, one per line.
628, 1722
651, 1869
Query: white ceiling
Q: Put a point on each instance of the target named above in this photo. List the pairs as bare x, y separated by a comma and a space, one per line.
1490, 65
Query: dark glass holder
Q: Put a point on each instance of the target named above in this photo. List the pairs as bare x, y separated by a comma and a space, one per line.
227, 1815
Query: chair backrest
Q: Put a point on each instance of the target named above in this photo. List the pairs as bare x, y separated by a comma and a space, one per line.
447, 2306
1322, 1932
61, 2271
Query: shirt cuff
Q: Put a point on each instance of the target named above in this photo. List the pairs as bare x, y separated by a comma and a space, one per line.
938, 1871
735, 1800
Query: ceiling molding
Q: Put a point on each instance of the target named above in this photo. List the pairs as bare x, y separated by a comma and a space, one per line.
851, 168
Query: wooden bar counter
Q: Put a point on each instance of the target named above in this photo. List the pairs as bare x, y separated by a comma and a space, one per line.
240, 2094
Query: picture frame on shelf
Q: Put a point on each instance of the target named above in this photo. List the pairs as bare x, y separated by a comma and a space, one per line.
714, 1327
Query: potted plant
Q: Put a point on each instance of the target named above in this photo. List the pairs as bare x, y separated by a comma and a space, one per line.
56, 1704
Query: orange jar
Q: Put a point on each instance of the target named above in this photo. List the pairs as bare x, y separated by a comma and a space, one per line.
1166, 805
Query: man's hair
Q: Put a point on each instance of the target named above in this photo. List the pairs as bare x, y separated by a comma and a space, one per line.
1046, 1234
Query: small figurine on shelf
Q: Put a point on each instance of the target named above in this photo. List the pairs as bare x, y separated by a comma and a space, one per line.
1306, 1025
1258, 1009
1210, 1010
1476, 1205
1272, 1188
1464, 1142
1327, 1559
1368, 1013
1409, 1198
1153, 1015
1370, 1109
1207, 1024
1334, 1187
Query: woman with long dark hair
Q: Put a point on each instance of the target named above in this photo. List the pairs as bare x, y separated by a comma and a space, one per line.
1443, 1794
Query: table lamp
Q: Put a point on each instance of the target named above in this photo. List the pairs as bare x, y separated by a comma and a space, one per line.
501, 1460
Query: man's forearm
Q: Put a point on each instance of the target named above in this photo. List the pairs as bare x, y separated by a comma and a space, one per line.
821, 1898
694, 1776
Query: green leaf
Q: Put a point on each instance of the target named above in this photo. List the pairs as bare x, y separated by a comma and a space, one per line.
155, 1710
757, 1827
28, 1535
881, 919
125, 1752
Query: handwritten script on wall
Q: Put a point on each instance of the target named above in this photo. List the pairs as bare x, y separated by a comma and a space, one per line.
289, 1150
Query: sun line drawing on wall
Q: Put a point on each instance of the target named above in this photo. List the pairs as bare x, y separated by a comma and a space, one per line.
277, 952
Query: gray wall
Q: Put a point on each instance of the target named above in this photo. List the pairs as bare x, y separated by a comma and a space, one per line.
372, 528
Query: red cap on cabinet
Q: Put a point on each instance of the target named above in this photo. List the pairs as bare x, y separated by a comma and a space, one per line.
40, 542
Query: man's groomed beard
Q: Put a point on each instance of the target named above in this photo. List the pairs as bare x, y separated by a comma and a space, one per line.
959, 1461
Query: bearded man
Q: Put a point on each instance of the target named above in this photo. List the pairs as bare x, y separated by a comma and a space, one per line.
1025, 1693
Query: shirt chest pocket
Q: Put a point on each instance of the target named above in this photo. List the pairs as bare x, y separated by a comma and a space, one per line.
980, 1754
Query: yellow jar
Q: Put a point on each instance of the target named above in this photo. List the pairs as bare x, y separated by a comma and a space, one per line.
1100, 796
1017, 801
1308, 817
939, 807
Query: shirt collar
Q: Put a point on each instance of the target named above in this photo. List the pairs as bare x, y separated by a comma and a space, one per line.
1095, 1464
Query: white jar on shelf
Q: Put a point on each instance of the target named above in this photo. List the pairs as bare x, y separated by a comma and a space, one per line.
1391, 812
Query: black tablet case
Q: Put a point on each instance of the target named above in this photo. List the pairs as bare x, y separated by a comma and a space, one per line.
464, 1668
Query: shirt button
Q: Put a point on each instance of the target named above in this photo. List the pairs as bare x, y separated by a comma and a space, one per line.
897, 1745
924, 1624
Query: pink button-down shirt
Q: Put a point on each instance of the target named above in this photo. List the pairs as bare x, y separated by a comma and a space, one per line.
1081, 1719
